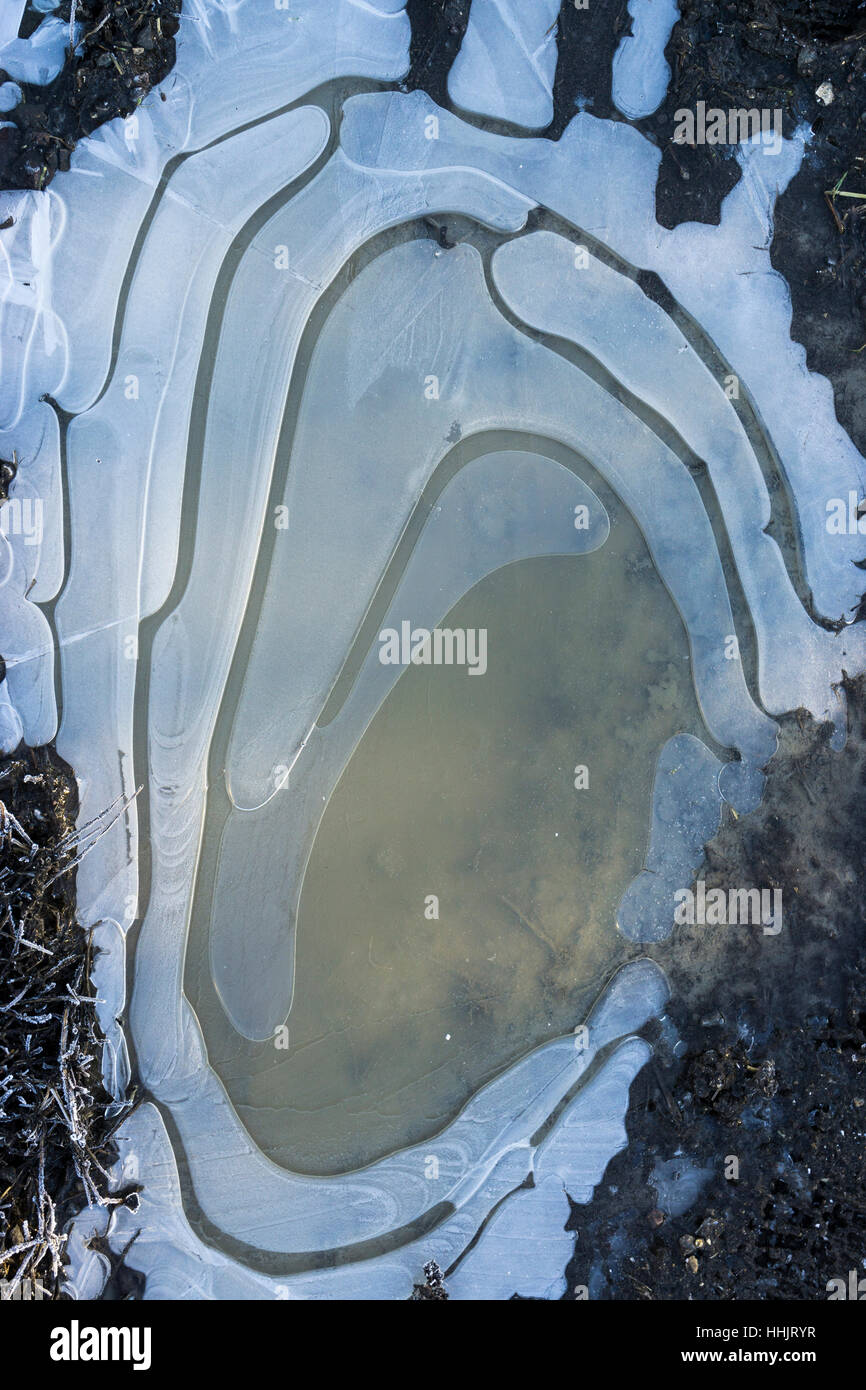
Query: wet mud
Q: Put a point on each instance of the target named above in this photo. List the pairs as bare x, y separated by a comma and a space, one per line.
773, 1071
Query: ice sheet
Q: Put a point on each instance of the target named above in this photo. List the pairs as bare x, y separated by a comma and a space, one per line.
507, 62
640, 73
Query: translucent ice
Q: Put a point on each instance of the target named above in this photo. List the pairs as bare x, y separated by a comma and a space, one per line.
526, 1247
640, 74
568, 1155
507, 61
40, 58
499, 509
686, 810
576, 296
127, 446
721, 276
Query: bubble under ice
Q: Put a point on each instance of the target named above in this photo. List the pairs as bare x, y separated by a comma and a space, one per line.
179, 572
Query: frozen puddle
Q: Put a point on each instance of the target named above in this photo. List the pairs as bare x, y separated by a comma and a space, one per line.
437, 595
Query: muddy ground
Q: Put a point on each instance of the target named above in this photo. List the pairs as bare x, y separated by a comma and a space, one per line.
774, 1068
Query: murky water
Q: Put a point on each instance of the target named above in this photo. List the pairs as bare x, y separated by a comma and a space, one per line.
463, 791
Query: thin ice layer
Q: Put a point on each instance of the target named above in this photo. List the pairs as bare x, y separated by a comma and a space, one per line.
28, 650
686, 810
484, 1155
251, 1198
58, 304
300, 250
573, 295
525, 385
523, 1249
640, 74
488, 375
32, 520
526, 1246
126, 450
722, 276
507, 62
500, 508
39, 58
31, 570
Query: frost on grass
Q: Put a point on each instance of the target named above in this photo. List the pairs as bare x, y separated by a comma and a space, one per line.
285, 415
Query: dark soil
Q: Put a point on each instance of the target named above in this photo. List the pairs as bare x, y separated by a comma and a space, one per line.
127, 49
775, 1068
55, 1130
